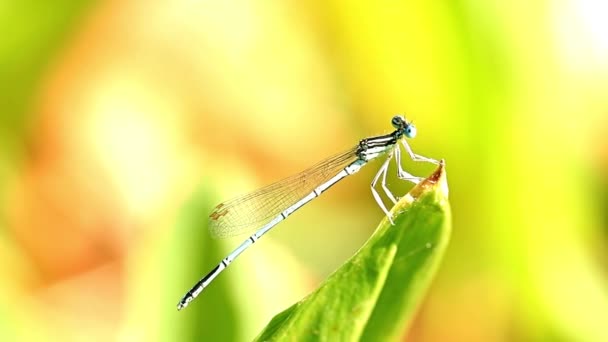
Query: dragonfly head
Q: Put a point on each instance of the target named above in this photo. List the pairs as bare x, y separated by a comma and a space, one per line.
407, 128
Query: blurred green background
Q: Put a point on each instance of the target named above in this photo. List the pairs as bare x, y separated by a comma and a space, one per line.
124, 123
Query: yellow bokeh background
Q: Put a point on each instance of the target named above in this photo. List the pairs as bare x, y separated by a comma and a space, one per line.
124, 123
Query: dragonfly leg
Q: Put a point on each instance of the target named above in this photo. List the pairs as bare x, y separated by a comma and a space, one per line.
416, 157
388, 193
401, 173
377, 197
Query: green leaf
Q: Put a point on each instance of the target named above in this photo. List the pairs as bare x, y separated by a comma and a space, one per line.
374, 295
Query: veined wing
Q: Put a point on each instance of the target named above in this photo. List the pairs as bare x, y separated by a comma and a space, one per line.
249, 212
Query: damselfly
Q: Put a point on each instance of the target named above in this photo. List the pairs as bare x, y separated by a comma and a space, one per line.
265, 208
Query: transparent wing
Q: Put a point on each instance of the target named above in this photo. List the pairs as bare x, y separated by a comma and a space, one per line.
249, 212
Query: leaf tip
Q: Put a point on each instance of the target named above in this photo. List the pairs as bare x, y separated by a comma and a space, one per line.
436, 181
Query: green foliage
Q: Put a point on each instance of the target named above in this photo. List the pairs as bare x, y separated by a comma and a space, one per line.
198, 322
374, 295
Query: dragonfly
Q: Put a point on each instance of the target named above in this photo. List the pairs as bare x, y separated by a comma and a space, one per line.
263, 209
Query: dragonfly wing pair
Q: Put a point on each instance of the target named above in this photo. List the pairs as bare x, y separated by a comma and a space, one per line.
247, 213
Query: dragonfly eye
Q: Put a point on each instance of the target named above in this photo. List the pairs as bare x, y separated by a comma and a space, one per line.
410, 131
398, 121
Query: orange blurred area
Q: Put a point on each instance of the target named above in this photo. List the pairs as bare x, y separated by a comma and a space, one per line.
124, 123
